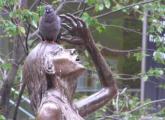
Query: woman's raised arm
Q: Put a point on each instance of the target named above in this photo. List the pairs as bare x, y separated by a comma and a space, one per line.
79, 31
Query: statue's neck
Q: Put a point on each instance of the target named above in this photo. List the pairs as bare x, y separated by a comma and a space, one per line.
66, 86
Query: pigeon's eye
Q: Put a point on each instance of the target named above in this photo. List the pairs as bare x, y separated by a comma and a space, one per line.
47, 10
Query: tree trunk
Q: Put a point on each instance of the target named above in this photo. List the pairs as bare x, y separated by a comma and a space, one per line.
17, 57
5, 90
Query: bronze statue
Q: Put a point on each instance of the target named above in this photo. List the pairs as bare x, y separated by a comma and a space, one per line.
51, 73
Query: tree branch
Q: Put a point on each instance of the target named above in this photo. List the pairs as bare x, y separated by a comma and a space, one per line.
1, 70
88, 8
84, 8
26, 39
126, 77
135, 109
18, 101
116, 52
121, 27
65, 2
126, 7
36, 3
151, 102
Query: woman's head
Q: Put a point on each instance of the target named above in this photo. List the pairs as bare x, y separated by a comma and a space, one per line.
67, 63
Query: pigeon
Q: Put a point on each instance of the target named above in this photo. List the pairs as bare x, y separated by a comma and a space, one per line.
50, 24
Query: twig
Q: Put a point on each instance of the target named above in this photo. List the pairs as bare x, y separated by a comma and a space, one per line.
63, 3
33, 34
18, 101
21, 41
1, 70
128, 77
37, 2
35, 41
151, 102
26, 39
135, 109
85, 5
88, 8
1, 73
126, 7
117, 52
21, 59
121, 27
117, 98
60, 6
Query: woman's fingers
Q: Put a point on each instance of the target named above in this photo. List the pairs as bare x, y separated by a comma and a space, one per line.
75, 19
69, 19
82, 23
66, 26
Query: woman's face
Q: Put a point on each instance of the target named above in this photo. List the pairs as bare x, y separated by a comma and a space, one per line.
67, 63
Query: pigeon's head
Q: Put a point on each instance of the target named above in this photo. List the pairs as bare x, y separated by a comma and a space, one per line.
49, 9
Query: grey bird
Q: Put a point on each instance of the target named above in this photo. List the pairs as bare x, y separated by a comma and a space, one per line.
50, 24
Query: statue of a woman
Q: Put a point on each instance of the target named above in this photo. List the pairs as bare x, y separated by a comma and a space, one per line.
51, 73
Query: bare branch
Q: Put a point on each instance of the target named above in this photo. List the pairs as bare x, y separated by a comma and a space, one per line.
135, 109
1, 61
88, 8
35, 33
63, 2
26, 39
126, 77
36, 3
145, 104
23, 3
121, 27
116, 52
126, 7
18, 101
84, 8
1, 70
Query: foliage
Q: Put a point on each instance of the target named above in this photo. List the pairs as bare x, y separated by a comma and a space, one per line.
2, 117
16, 21
91, 22
155, 28
128, 107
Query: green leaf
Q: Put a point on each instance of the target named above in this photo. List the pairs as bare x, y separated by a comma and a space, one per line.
21, 30
2, 117
107, 3
55, 2
93, 22
34, 23
6, 66
138, 56
162, 86
99, 6
155, 72
1, 3
145, 77
159, 57
40, 10
91, 1
100, 28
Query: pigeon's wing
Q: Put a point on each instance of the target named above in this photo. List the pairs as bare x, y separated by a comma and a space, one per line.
42, 28
41, 35
58, 25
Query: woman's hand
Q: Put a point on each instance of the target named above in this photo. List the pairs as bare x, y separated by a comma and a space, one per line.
76, 27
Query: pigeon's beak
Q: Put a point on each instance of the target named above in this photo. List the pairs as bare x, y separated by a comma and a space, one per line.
48, 11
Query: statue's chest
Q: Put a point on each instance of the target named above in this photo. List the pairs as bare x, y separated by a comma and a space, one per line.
68, 112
